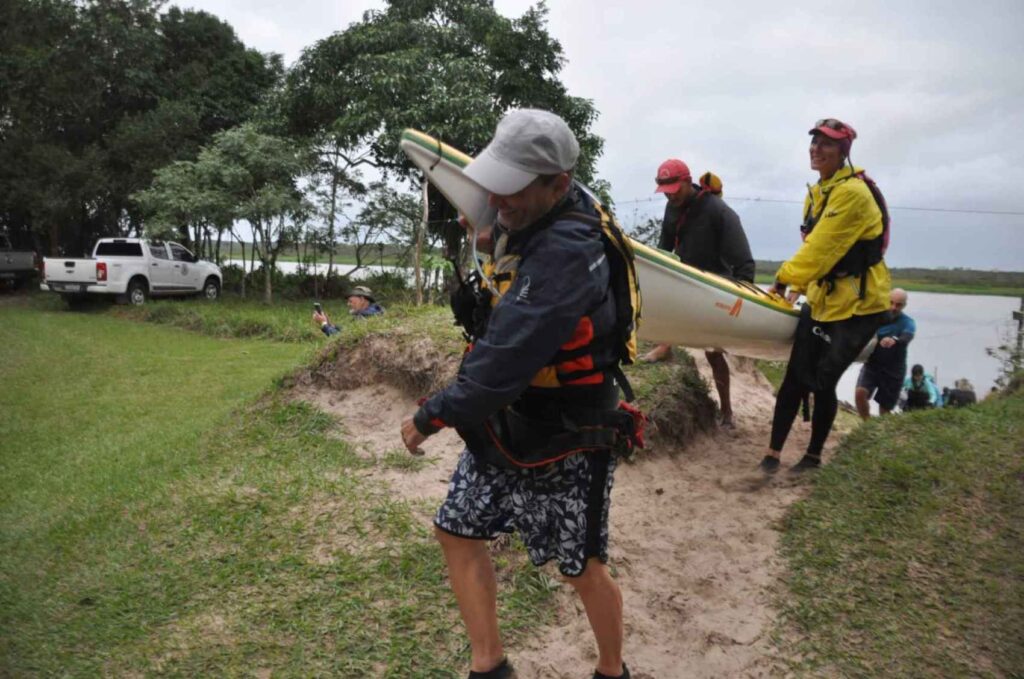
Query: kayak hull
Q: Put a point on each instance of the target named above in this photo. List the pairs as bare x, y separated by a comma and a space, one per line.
687, 306
442, 164
681, 305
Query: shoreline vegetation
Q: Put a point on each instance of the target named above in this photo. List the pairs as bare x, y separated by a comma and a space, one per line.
914, 279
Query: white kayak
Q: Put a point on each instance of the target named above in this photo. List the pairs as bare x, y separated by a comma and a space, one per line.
681, 305
442, 164
694, 308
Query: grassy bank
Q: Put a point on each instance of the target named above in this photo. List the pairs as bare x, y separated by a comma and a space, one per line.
234, 317
906, 558
157, 518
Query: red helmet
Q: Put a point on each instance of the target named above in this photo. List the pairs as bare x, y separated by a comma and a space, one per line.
834, 128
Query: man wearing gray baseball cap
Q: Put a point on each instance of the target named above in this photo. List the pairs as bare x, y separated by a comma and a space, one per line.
541, 365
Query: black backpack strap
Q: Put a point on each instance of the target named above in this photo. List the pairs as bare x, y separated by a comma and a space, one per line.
623, 381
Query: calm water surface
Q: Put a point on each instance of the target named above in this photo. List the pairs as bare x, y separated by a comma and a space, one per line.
953, 332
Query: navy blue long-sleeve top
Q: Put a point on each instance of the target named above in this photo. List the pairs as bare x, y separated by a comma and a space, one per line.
563, 274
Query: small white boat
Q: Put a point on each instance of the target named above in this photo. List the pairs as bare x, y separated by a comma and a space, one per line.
694, 308
681, 305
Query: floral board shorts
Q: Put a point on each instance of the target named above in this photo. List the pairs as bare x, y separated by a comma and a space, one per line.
560, 510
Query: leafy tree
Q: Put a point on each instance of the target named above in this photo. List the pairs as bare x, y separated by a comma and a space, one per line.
184, 198
256, 174
1010, 353
332, 182
97, 95
449, 67
647, 232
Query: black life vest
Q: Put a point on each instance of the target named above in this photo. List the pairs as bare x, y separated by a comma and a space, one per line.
513, 438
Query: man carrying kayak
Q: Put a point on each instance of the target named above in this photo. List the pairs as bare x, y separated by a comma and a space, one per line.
542, 360
705, 233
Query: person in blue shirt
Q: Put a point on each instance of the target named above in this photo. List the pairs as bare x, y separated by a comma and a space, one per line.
921, 391
883, 372
360, 304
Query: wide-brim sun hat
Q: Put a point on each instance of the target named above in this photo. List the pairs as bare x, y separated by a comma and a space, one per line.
527, 143
361, 291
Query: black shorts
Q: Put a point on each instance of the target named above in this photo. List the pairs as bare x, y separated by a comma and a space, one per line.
560, 510
885, 388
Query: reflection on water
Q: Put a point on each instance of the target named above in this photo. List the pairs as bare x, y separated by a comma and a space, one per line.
953, 332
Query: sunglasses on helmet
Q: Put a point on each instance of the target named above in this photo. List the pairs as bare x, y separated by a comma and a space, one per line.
838, 126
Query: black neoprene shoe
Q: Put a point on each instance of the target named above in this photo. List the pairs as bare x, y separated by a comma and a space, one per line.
502, 671
806, 463
769, 464
624, 675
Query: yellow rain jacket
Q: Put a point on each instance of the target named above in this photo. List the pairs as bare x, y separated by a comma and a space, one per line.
852, 215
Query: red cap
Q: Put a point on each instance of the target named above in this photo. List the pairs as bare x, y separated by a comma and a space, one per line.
672, 174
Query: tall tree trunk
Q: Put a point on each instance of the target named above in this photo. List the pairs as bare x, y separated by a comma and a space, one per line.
419, 247
217, 257
332, 216
54, 238
316, 278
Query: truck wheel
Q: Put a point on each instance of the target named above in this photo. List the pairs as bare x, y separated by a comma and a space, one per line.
137, 292
211, 289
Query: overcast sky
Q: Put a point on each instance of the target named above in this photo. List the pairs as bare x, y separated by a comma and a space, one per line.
935, 90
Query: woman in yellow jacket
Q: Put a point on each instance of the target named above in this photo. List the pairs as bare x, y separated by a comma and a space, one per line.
840, 269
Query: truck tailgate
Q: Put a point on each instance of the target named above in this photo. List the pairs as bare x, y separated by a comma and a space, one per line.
69, 275
12, 263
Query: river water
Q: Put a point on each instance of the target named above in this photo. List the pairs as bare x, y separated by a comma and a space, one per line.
953, 332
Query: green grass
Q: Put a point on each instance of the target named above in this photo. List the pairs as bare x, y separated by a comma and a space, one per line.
158, 518
234, 317
906, 559
773, 371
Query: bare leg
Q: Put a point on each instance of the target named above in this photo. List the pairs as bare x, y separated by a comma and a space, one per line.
720, 371
476, 590
662, 352
863, 407
602, 600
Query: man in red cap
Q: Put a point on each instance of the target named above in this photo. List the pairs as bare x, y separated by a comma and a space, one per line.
705, 233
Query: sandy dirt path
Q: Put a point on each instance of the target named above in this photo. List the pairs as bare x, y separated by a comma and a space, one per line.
693, 538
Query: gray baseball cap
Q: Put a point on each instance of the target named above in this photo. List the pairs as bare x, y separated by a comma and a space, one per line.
527, 143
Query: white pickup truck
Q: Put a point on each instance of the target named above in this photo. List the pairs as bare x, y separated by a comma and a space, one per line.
133, 269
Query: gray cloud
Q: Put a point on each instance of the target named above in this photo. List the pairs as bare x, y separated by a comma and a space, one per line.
935, 90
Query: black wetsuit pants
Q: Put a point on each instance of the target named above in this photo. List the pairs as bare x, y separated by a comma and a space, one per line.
821, 354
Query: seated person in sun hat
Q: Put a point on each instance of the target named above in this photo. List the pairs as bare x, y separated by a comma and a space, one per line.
361, 304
